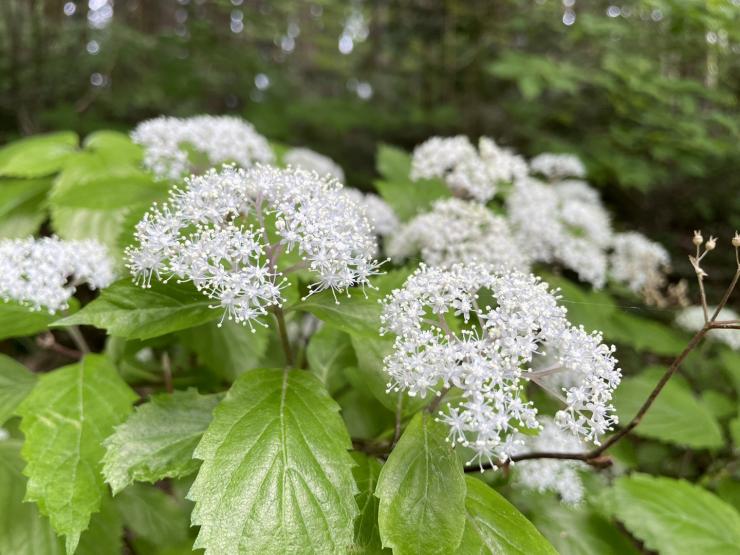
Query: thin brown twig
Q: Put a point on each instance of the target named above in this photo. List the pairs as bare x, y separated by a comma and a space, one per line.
48, 341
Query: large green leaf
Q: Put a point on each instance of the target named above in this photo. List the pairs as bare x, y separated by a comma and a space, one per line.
406, 197
577, 530
65, 420
22, 206
37, 156
276, 475
105, 226
674, 517
422, 492
17, 320
129, 311
329, 354
367, 534
645, 335
158, 439
113, 143
16, 382
676, 416
153, 515
493, 525
229, 350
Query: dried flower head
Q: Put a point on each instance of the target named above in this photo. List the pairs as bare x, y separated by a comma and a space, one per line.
458, 231
226, 231
638, 262
557, 166
381, 216
312, 161
692, 319
571, 226
173, 146
559, 476
445, 339
44, 273
467, 172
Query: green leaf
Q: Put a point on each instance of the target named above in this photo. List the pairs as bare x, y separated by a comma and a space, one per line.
675, 417
393, 163
329, 354
22, 206
65, 420
674, 517
276, 475
367, 534
645, 335
153, 515
37, 156
16, 382
422, 492
115, 143
105, 226
493, 525
104, 536
229, 350
158, 439
127, 310
720, 405
17, 320
577, 530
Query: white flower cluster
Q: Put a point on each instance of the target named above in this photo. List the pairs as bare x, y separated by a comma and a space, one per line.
44, 273
312, 161
466, 171
557, 166
226, 230
457, 230
559, 476
564, 223
169, 144
692, 319
445, 339
381, 216
638, 262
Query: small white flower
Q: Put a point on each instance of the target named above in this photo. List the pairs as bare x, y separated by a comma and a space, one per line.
171, 144
225, 232
467, 172
455, 231
692, 319
491, 353
559, 476
44, 273
311, 161
638, 262
557, 166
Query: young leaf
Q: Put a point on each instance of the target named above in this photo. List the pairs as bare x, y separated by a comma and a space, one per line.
16, 382
229, 350
367, 535
37, 156
675, 417
276, 475
329, 354
422, 492
129, 311
493, 525
158, 439
674, 517
65, 420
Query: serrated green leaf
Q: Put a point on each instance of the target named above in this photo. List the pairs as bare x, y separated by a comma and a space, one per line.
276, 475
104, 536
367, 534
105, 226
153, 515
422, 492
158, 439
126, 310
37, 156
329, 354
229, 350
22, 206
65, 420
675, 417
16, 382
493, 525
674, 517
17, 320
577, 530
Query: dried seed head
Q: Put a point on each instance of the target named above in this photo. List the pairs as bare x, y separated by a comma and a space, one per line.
736, 240
698, 239
711, 244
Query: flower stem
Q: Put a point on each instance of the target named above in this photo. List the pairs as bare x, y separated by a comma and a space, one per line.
283, 332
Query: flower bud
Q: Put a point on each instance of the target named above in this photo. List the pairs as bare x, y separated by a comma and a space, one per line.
698, 239
736, 240
711, 244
